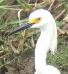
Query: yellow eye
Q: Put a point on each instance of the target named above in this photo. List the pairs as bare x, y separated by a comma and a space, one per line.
34, 20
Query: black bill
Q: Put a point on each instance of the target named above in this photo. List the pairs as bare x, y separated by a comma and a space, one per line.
22, 27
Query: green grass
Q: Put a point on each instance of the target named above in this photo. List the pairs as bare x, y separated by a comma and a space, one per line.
60, 58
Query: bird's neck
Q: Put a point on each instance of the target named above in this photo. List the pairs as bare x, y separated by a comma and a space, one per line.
43, 45
42, 48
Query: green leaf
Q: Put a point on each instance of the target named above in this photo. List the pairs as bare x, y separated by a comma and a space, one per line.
1, 1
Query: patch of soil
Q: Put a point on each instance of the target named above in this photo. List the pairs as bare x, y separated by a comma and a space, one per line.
26, 64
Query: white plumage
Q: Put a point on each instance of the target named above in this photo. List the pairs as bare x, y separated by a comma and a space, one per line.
46, 41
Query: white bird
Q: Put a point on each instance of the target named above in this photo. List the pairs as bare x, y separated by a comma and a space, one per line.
43, 20
47, 40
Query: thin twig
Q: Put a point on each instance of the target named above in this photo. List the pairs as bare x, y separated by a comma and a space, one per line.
32, 42
59, 6
19, 16
60, 30
57, 17
62, 12
50, 7
13, 48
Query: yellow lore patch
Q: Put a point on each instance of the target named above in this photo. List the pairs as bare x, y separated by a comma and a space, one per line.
34, 20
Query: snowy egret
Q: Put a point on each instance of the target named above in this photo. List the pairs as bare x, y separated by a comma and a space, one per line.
48, 39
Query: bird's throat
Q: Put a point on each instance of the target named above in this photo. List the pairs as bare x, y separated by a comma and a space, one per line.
41, 50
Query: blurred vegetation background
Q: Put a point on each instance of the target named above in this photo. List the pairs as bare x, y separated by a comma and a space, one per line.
17, 51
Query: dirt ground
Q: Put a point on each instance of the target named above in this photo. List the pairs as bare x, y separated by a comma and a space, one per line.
27, 64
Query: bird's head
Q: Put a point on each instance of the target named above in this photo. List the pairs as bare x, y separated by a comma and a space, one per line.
37, 19
40, 18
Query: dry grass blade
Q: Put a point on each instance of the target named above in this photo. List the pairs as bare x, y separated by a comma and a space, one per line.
62, 12
32, 42
19, 15
51, 5
66, 18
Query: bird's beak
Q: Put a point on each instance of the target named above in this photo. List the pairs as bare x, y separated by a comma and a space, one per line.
22, 27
